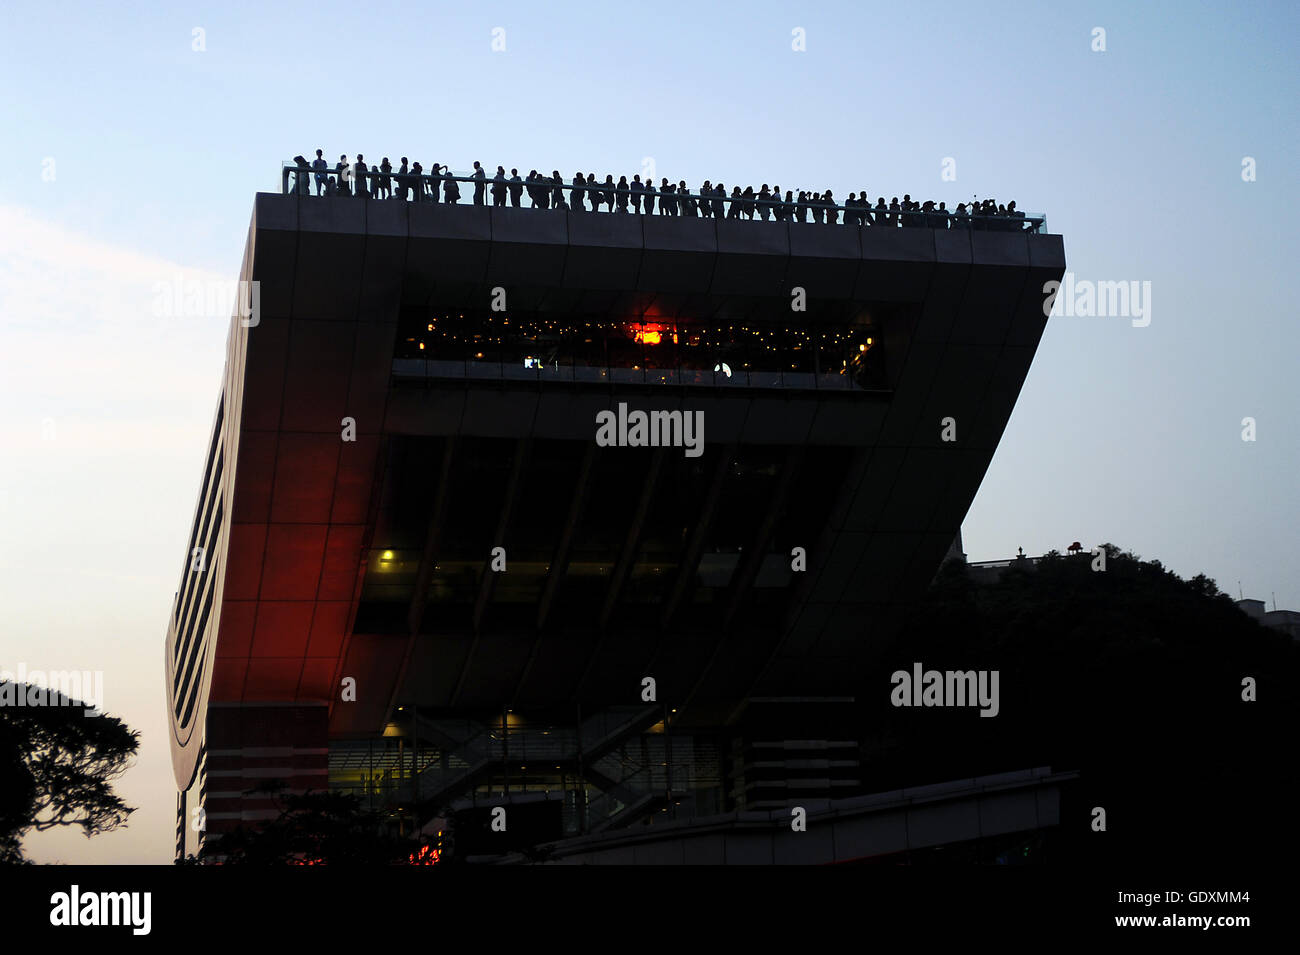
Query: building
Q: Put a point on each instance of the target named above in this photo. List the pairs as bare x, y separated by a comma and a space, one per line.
416, 574
1288, 621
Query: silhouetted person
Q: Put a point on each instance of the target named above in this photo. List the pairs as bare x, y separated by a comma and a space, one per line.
649, 199
942, 216
557, 191
576, 201
706, 199
331, 187
322, 169
667, 201
301, 182
719, 204
735, 205
341, 173
988, 209
516, 188
787, 207
637, 191
417, 182
499, 187
480, 183
436, 174
930, 213
832, 213
607, 193
386, 179
624, 193
815, 207
1017, 217
764, 210
450, 187
689, 205
403, 183
778, 207
363, 180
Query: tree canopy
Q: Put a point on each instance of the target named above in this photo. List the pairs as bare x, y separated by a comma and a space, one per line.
58, 765
1131, 675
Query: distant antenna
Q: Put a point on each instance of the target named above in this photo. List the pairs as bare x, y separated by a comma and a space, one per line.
1239, 596
1275, 601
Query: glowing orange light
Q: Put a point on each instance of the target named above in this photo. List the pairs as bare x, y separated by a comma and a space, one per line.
650, 333
426, 855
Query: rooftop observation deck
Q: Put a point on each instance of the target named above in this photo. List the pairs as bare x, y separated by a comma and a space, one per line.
620, 298
426, 187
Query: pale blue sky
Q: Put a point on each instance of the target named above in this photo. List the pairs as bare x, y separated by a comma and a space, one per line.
1124, 434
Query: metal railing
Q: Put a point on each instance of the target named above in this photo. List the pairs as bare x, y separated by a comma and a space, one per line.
426, 187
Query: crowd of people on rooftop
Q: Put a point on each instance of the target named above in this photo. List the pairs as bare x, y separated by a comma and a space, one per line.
409, 182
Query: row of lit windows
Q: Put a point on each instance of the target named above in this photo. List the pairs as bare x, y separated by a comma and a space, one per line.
667, 352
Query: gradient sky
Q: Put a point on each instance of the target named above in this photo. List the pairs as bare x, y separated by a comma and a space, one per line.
1122, 434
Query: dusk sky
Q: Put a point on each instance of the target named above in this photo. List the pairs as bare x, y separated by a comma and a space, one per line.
132, 158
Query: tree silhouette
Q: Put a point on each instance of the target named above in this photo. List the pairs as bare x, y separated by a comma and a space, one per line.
58, 767
1131, 676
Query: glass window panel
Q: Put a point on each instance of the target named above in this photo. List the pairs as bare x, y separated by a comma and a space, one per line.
832, 356
659, 344
730, 355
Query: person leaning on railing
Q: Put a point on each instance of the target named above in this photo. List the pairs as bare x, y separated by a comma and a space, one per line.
499, 187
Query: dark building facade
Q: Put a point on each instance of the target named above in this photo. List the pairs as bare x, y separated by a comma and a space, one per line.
425, 577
